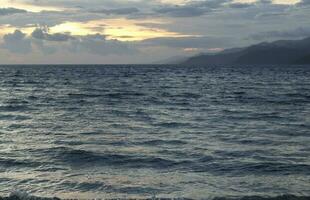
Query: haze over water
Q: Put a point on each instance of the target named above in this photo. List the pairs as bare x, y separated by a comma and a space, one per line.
136, 131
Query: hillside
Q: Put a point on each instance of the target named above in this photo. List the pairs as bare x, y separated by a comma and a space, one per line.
278, 52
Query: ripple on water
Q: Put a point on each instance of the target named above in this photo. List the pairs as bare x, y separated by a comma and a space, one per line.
137, 130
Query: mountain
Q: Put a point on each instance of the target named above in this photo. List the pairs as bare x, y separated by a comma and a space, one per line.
172, 60
278, 52
303, 60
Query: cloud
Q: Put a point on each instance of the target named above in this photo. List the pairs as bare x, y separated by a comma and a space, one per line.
41, 40
42, 34
216, 23
98, 44
300, 32
181, 11
304, 3
240, 5
119, 11
16, 43
44, 47
203, 42
192, 9
271, 15
10, 11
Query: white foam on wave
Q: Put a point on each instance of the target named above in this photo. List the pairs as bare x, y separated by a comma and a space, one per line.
20, 194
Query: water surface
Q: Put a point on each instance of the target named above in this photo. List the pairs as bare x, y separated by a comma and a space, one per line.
136, 131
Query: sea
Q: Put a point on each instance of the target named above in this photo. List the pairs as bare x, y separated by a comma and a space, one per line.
145, 131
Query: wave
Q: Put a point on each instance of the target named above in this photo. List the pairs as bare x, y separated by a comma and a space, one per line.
14, 117
280, 197
21, 195
173, 124
85, 158
185, 95
223, 164
258, 168
14, 108
161, 142
106, 95
10, 162
75, 95
120, 95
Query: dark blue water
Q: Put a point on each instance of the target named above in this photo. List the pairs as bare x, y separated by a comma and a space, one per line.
139, 131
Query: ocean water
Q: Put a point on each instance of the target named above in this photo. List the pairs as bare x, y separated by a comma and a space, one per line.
164, 131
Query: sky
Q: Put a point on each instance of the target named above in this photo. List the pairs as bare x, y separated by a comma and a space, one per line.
141, 31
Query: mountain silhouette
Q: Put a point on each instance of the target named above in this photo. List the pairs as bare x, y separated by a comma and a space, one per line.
278, 52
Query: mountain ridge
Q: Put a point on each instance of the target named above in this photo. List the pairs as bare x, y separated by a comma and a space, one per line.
277, 52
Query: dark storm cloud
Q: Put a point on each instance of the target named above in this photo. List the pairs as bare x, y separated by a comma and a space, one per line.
10, 11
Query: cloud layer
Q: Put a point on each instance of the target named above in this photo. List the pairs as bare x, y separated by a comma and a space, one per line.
141, 31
